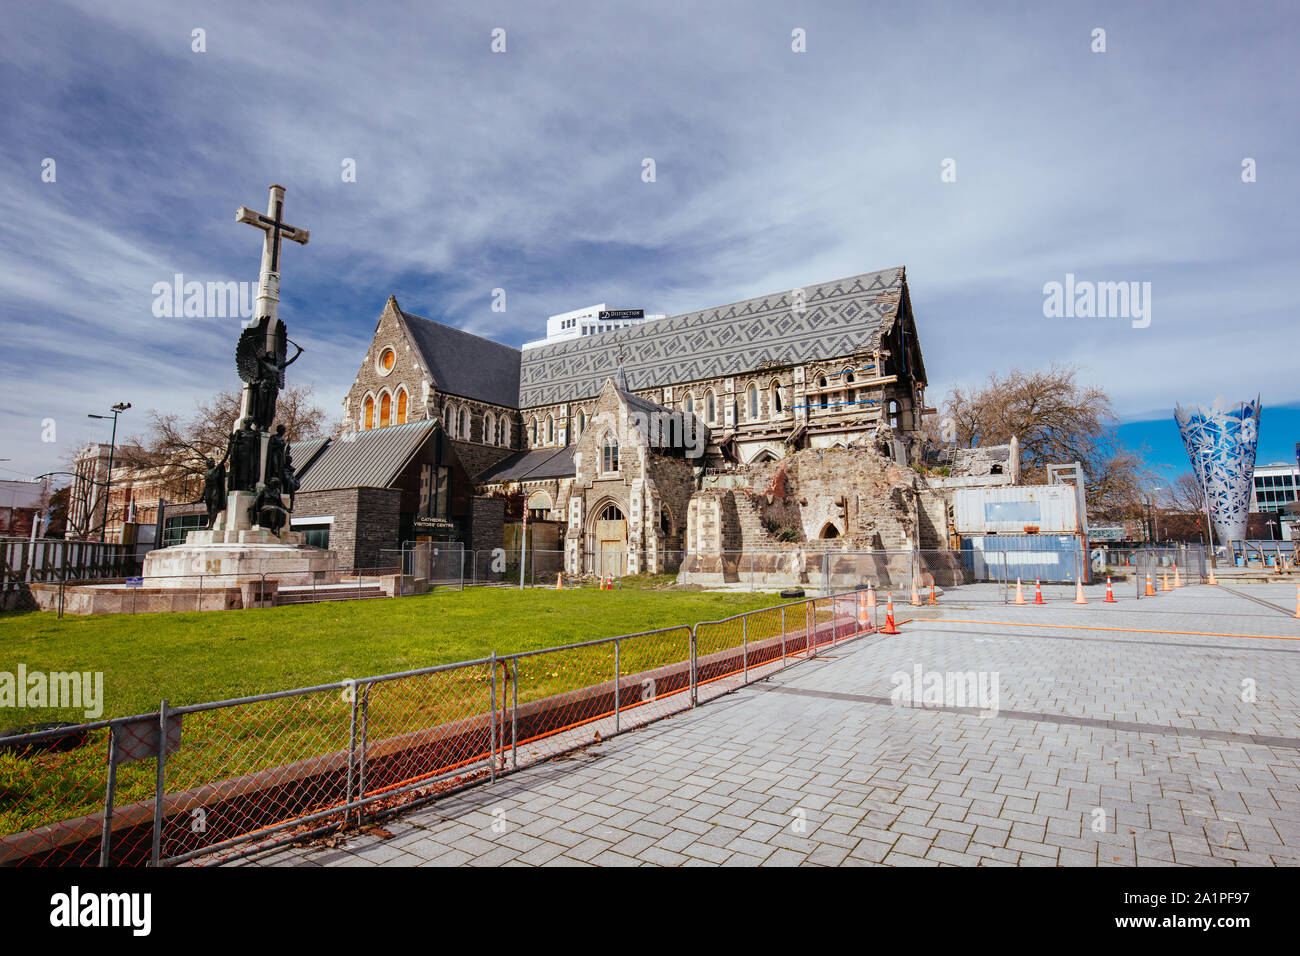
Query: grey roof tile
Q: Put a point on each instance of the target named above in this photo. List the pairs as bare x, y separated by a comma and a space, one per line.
365, 459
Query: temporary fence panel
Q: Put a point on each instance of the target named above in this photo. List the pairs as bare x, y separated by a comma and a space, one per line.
210, 782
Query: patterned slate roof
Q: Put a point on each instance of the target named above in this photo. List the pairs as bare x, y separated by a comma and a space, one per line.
839, 317
365, 459
465, 364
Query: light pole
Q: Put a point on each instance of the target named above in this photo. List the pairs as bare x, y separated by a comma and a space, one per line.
118, 409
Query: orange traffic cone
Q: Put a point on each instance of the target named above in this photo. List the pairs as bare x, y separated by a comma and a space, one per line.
890, 627
864, 613
1164, 582
1020, 593
1110, 594
1178, 578
559, 580
871, 597
1151, 592
933, 599
916, 595
1038, 592
1210, 579
1078, 593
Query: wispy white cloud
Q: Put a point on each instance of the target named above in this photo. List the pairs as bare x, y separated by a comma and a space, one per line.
522, 171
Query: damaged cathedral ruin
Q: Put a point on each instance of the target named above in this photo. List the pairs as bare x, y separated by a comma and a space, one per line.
765, 435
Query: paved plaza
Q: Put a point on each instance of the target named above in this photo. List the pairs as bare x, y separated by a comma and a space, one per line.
1115, 741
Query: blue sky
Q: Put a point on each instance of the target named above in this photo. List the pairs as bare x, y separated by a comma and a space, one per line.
522, 170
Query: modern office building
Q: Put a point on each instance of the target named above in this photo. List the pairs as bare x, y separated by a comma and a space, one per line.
592, 320
1276, 486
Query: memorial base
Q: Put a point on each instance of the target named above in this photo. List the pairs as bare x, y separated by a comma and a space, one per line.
250, 553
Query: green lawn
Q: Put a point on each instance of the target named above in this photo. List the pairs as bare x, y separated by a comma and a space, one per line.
193, 658
196, 657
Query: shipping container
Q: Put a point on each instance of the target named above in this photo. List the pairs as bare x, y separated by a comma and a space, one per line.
1021, 509
1050, 558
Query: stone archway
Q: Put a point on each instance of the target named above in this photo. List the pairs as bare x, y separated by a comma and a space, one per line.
607, 532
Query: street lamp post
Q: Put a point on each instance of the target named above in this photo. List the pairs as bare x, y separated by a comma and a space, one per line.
118, 409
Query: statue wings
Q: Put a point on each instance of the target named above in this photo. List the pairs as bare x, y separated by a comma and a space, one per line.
251, 350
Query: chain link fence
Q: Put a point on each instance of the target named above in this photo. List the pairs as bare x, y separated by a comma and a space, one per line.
211, 782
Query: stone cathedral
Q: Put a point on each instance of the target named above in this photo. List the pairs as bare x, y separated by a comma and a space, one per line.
783, 420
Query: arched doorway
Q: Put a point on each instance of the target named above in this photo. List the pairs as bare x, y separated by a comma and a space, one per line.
609, 539
830, 531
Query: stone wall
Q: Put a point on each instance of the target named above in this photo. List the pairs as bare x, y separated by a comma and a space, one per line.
378, 520
487, 524
870, 502
476, 458
365, 523
406, 374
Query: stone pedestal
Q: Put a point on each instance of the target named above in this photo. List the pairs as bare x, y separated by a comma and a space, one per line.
228, 561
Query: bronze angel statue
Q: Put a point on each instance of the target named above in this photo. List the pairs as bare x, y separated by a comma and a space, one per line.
262, 367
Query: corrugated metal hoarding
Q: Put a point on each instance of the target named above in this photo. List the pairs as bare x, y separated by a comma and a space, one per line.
1023, 509
1052, 558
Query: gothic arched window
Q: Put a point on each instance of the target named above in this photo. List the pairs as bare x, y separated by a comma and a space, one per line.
368, 415
401, 407
489, 429
550, 430
777, 407
449, 421
710, 408
464, 424
752, 396
582, 422
609, 454
385, 410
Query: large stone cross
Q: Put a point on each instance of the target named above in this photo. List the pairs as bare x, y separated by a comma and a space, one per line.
273, 224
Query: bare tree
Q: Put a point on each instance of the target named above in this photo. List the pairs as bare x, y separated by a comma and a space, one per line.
1056, 420
1185, 494
176, 446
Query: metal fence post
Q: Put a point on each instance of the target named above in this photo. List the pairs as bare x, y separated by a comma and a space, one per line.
782, 635
352, 754
694, 675
110, 788
365, 735
616, 675
744, 642
514, 717
158, 789
814, 627
492, 734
